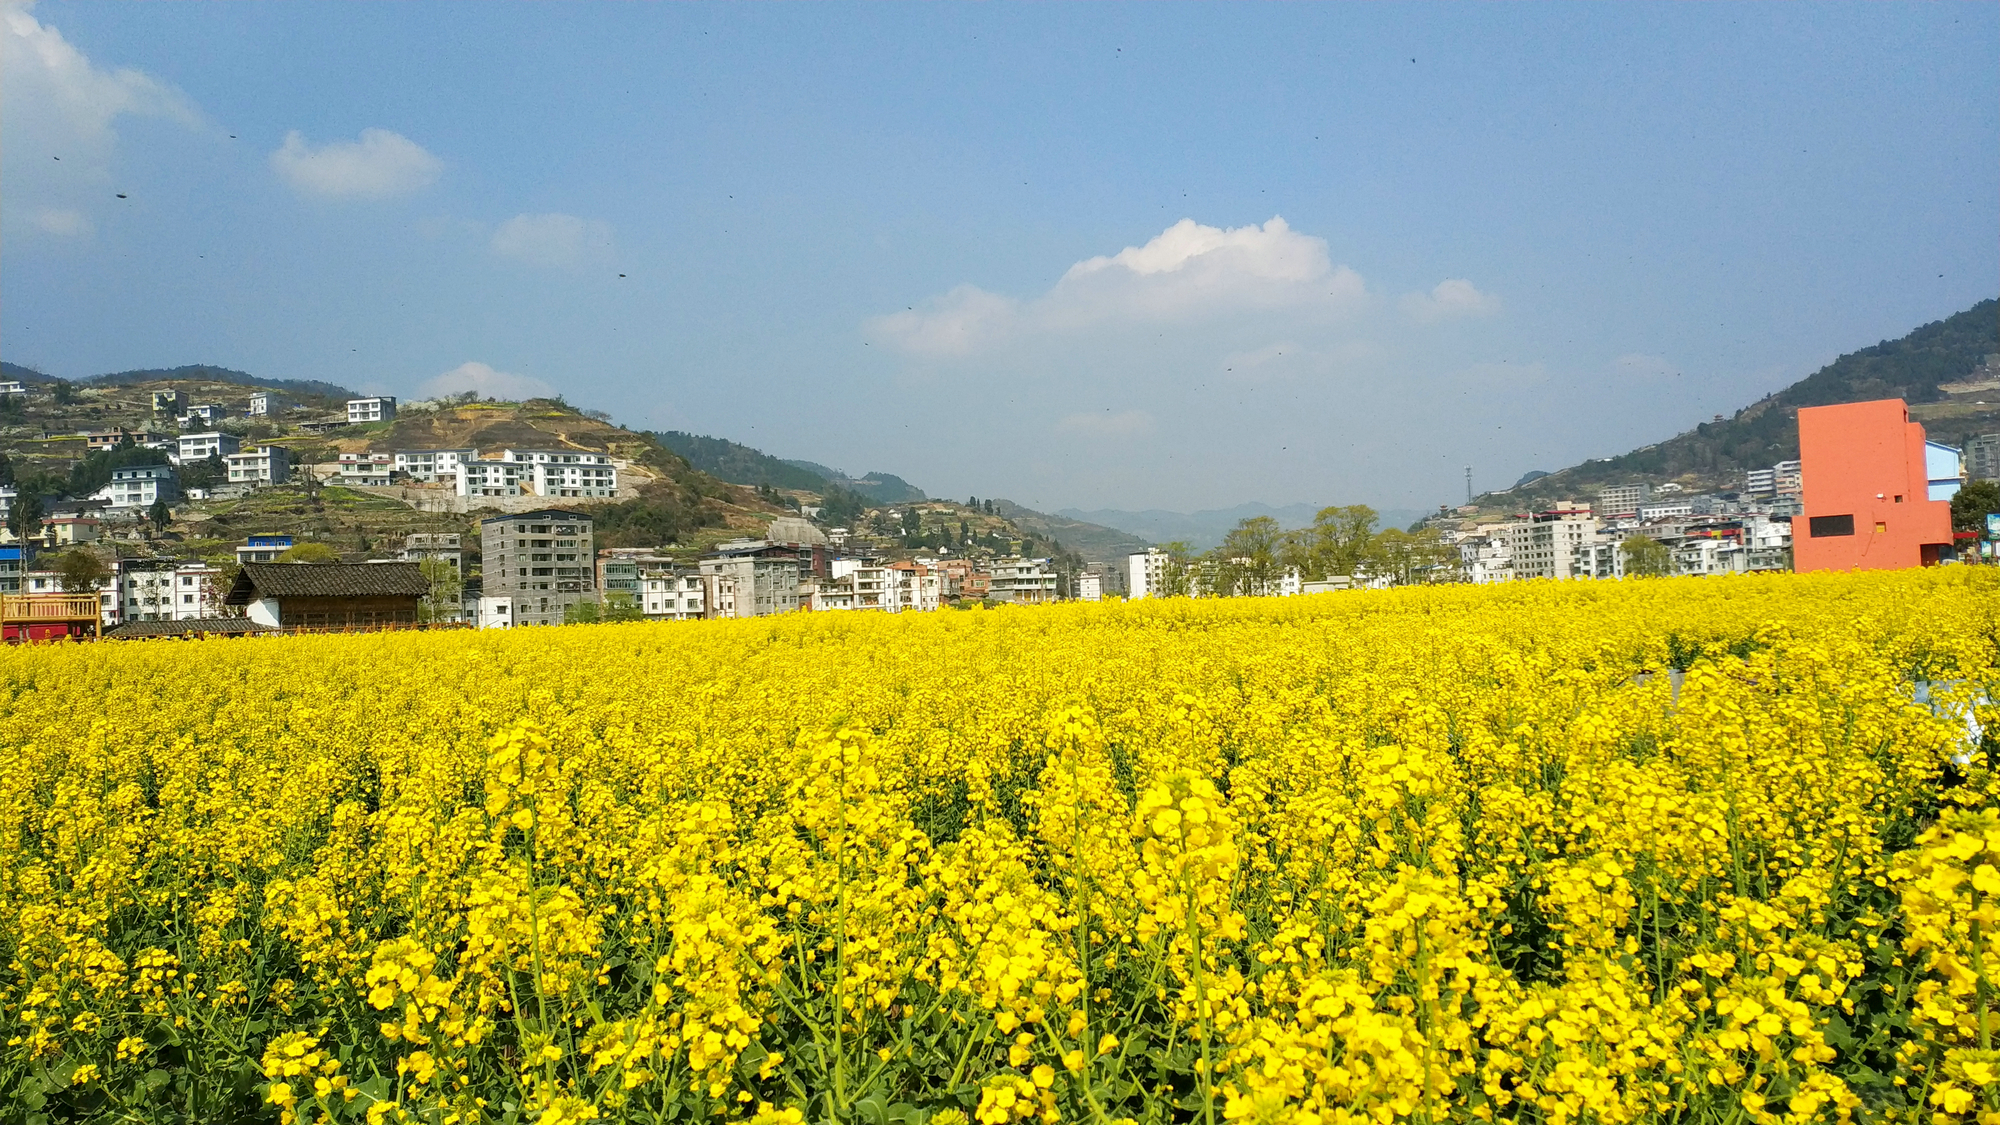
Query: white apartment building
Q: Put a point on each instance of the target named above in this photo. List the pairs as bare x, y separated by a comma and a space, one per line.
197, 447
858, 584
381, 408
13, 387
565, 472
137, 486
680, 595
1146, 573
489, 478
163, 590
767, 578
450, 547
914, 588
431, 465
1548, 548
1665, 510
1623, 499
260, 464
169, 402
263, 404
366, 468
206, 413
1089, 588
1022, 581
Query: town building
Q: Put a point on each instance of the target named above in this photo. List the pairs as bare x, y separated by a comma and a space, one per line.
1667, 509
199, 447
260, 464
112, 439
567, 473
204, 414
432, 465
329, 595
1982, 457
264, 404
422, 545
69, 531
163, 590
1089, 588
1548, 547
136, 487
381, 408
171, 403
489, 478
14, 562
1623, 499
535, 566
766, 575
263, 548
1019, 581
680, 594
1867, 490
366, 469
1146, 573
913, 588
11, 387
1943, 471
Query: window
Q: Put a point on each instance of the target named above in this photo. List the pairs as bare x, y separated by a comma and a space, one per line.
1821, 527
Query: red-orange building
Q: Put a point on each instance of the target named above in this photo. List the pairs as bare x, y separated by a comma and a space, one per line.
1866, 491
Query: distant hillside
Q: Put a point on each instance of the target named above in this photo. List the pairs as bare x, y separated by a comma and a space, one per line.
202, 372
740, 464
1096, 543
15, 373
1919, 368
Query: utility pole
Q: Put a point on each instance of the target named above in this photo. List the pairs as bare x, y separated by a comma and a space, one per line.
1468, 484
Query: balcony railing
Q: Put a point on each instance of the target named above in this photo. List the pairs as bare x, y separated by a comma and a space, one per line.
49, 607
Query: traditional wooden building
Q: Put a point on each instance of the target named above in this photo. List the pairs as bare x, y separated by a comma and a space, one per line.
329, 595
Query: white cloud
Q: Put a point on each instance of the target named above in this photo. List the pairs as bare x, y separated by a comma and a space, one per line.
1187, 272
1452, 298
1106, 423
555, 240
380, 165
475, 376
57, 136
66, 222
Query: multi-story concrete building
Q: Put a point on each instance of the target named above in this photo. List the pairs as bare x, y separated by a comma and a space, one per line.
263, 548
1666, 509
1982, 457
568, 473
1623, 499
686, 595
1089, 588
366, 469
1867, 490
263, 404
197, 447
137, 486
380, 408
163, 590
489, 478
422, 545
204, 414
1146, 573
914, 588
767, 577
1020, 581
171, 403
432, 465
1548, 548
260, 464
535, 566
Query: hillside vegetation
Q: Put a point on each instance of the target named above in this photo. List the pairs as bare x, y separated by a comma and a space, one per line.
1931, 369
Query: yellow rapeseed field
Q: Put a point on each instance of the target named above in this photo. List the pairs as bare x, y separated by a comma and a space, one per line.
1423, 855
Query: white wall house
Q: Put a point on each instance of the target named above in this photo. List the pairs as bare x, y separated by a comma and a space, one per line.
137, 486
381, 408
260, 464
263, 404
1022, 581
680, 595
489, 478
432, 465
366, 468
565, 472
197, 447
1146, 573
1548, 548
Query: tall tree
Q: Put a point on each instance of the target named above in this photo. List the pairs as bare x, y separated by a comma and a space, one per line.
1646, 557
1248, 562
1338, 542
79, 571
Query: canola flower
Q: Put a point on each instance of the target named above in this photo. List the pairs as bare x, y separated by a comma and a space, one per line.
1654, 851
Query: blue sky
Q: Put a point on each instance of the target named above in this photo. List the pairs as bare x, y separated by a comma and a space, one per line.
1093, 255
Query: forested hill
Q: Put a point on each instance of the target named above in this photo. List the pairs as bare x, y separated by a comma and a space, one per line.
1917, 368
207, 374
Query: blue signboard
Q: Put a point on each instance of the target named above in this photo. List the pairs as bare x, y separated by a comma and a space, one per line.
1993, 525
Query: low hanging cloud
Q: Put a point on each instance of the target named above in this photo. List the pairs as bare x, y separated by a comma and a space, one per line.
487, 383
556, 241
1189, 272
378, 165
1453, 298
58, 136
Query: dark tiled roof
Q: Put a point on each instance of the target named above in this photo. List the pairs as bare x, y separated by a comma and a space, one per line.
224, 626
327, 580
